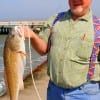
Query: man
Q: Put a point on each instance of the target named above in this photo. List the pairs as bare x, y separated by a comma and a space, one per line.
69, 48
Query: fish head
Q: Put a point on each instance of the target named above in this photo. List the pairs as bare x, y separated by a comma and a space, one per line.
15, 39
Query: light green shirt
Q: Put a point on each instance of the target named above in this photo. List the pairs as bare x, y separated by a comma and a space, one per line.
71, 47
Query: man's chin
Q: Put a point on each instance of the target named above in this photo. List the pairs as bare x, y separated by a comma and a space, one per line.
77, 12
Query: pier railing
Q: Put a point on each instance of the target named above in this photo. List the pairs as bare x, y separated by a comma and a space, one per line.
5, 27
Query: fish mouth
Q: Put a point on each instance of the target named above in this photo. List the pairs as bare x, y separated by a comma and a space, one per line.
17, 30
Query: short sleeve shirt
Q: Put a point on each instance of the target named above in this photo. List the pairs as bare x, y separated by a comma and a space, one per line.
71, 47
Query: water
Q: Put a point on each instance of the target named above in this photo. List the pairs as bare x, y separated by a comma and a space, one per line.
36, 58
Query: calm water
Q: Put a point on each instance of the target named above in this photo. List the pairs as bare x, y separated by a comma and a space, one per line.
36, 58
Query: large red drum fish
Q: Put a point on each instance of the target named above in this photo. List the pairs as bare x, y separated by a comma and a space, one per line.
14, 62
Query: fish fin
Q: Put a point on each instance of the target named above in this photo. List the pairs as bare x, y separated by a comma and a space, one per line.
22, 85
23, 53
6, 83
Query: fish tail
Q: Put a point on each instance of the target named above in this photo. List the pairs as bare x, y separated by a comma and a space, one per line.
14, 95
12, 87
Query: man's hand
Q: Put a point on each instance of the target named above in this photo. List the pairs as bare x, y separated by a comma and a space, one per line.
28, 33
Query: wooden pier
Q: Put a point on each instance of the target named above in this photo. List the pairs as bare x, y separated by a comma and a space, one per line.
5, 27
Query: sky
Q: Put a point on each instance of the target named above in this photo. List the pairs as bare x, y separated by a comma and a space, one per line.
17, 10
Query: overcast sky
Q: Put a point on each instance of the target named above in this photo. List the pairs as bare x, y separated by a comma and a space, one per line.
36, 9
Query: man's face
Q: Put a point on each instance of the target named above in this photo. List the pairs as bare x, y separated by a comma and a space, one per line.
79, 7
